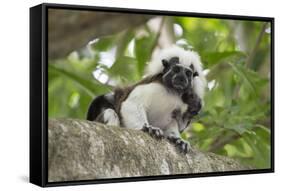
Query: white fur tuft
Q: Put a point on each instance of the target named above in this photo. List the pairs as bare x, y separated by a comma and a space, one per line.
186, 58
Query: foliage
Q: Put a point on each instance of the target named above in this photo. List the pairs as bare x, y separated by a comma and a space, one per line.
235, 120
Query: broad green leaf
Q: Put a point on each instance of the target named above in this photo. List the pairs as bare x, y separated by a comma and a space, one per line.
92, 87
261, 150
104, 43
251, 79
123, 42
198, 127
240, 128
239, 149
125, 68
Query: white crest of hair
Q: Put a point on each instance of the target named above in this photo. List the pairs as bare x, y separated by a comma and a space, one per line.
186, 58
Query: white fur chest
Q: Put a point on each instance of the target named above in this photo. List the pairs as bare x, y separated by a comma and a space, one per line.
157, 102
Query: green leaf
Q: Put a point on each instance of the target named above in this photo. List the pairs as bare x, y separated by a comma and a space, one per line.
120, 40
243, 148
251, 79
198, 127
124, 68
104, 43
123, 42
92, 87
261, 149
143, 49
240, 128
213, 58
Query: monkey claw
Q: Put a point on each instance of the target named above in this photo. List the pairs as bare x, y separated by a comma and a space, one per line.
182, 145
153, 131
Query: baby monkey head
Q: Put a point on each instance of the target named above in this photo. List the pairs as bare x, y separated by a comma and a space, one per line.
177, 76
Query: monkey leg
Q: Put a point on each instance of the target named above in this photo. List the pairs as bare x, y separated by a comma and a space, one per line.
173, 135
109, 117
183, 120
134, 116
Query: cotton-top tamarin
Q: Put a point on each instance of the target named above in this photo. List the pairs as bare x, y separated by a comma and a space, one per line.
162, 103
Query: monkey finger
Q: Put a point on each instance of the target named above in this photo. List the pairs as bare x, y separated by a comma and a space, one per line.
184, 146
187, 148
178, 141
144, 128
158, 133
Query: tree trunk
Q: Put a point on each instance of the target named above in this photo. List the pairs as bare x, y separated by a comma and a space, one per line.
84, 150
70, 30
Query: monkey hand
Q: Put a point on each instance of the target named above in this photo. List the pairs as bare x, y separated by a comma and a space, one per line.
193, 102
195, 107
153, 131
182, 145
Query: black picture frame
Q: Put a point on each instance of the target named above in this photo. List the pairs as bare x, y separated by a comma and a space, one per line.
39, 93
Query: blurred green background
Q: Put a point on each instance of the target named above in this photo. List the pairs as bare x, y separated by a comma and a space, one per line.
235, 120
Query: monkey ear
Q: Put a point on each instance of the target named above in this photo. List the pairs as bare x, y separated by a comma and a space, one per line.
192, 67
195, 73
174, 60
165, 63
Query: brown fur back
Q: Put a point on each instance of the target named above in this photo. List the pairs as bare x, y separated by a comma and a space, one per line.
121, 94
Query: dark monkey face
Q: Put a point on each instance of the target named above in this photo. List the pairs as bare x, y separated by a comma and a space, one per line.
176, 76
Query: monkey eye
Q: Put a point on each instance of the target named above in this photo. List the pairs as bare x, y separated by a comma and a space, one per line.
188, 72
176, 69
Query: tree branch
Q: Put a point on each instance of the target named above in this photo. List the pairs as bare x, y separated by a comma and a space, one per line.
83, 150
254, 50
222, 140
70, 30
